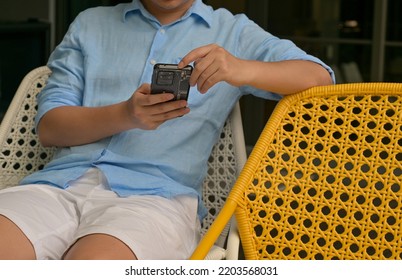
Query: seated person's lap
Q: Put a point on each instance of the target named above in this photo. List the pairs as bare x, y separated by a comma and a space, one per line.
53, 219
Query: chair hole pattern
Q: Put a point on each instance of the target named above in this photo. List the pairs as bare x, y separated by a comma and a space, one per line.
329, 184
221, 175
22, 154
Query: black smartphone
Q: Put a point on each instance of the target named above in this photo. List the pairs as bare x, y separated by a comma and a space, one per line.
168, 78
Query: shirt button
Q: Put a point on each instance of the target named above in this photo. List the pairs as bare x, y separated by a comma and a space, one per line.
162, 31
153, 61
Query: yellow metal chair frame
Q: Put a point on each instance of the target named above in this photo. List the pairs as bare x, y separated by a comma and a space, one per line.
324, 179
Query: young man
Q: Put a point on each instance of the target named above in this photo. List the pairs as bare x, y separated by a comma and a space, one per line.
126, 179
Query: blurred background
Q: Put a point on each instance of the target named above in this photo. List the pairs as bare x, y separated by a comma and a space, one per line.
360, 39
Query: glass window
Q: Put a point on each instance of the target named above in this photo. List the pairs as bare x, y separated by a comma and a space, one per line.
393, 51
394, 30
337, 31
360, 39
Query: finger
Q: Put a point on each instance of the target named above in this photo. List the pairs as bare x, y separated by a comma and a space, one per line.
208, 83
194, 55
199, 69
209, 77
204, 70
157, 119
145, 90
162, 117
150, 117
153, 99
165, 107
169, 106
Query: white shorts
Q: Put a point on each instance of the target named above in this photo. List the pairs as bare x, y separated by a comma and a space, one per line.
53, 219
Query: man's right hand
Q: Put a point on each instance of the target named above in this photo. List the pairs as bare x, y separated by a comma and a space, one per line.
148, 111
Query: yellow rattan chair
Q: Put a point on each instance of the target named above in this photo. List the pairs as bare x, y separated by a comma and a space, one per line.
324, 179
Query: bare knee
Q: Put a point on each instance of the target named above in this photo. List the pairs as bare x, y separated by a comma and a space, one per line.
99, 247
14, 244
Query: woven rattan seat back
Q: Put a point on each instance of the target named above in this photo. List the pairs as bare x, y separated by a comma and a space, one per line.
324, 179
20, 150
22, 154
223, 169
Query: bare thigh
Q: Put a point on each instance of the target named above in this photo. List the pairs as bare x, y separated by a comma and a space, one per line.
13, 242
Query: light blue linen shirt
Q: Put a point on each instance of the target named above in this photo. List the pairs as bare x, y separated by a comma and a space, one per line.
107, 53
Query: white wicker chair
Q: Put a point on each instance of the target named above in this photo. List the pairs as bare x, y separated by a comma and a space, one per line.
22, 154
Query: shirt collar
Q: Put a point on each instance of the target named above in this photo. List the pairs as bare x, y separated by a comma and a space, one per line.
198, 8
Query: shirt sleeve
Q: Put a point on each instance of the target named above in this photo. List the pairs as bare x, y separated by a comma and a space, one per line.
257, 44
66, 83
